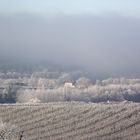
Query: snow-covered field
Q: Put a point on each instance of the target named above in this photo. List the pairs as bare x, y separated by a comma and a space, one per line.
73, 121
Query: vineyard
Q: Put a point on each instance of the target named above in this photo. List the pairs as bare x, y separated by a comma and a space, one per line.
73, 121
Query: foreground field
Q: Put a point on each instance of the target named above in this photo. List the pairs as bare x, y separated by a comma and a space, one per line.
74, 121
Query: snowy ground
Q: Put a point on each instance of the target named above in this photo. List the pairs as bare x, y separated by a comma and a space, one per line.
76, 121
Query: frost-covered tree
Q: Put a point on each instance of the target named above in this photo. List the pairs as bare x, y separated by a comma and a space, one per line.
83, 82
9, 93
10, 132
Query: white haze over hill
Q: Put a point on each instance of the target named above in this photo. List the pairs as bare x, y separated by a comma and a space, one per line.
102, 44
99, 38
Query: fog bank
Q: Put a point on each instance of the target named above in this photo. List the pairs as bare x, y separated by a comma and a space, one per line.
103, 45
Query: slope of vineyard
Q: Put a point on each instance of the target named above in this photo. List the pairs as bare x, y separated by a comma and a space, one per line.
74, 121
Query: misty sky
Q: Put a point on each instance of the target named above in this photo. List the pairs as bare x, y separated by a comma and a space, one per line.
73, 7
99, 35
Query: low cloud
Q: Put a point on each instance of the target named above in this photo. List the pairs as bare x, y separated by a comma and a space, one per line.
103, 45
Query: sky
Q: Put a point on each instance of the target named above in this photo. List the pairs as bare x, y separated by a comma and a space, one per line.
101, 36
72, 7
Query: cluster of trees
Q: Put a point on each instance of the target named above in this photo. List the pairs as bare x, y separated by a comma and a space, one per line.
36, 89
102, 91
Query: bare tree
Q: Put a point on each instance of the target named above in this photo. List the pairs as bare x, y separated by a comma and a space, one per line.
21, 135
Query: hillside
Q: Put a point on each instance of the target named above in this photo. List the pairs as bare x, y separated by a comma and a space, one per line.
74, 121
